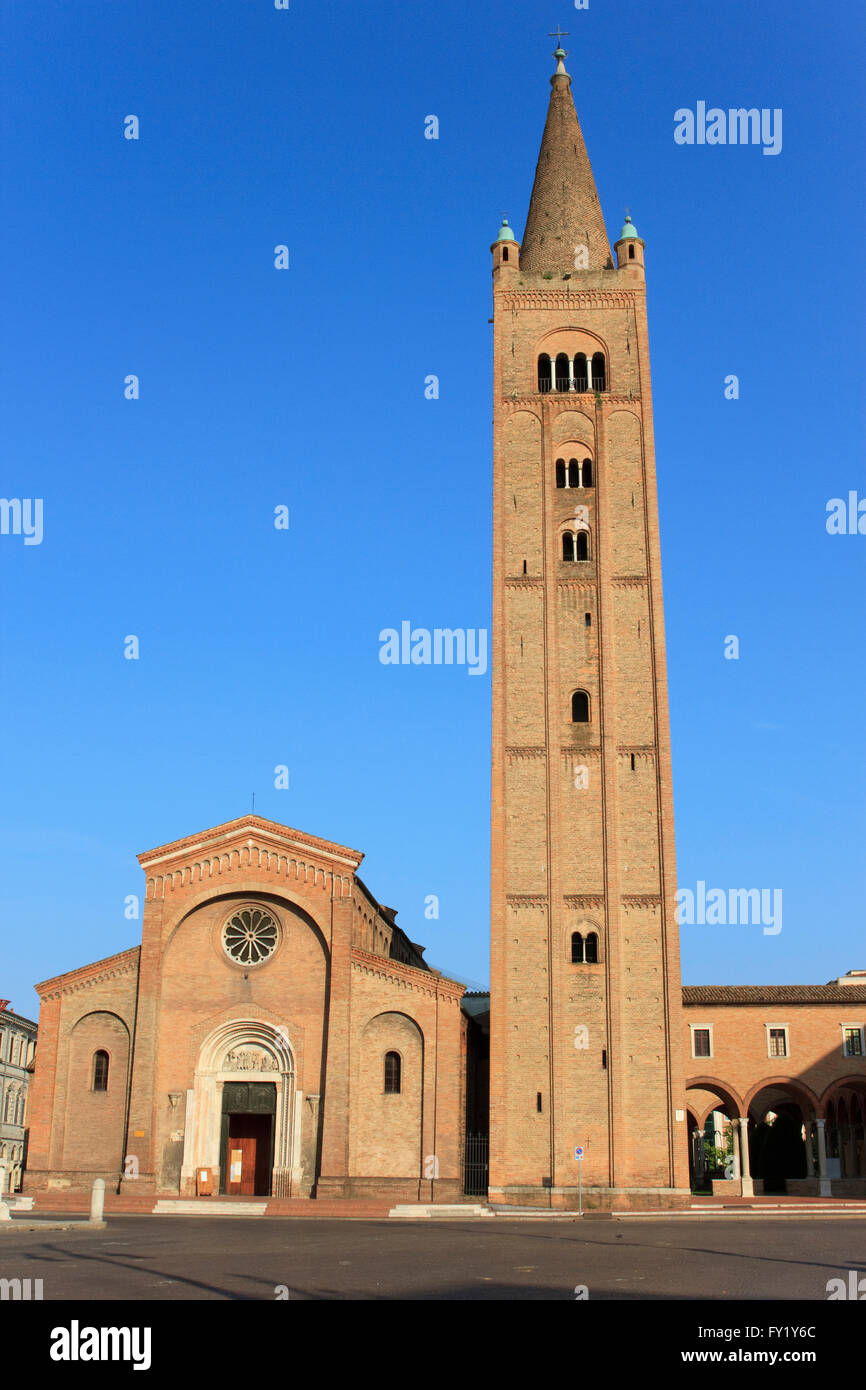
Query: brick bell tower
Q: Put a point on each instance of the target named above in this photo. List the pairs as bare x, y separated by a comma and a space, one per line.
585, 974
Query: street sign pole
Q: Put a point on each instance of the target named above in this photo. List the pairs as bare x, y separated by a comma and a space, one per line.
578, 1155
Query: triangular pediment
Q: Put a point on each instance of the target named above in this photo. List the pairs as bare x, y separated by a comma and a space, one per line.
246, 833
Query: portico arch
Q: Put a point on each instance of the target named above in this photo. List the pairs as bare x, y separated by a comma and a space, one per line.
243, 1050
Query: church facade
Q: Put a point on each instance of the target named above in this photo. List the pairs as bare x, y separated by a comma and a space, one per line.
276, 1033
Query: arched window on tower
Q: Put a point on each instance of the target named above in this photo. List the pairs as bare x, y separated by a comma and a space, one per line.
599, 381
544, 372
591, 954
580, 707
393, 1069
560, 472
100, 1071
567, 545
587, 473
580, 372
576, 948
573, 473
582, 546
561, 372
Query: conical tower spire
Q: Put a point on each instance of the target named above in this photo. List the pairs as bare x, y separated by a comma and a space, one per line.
564, 211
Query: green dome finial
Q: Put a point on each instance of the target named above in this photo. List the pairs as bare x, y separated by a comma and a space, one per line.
505, 232
629, 229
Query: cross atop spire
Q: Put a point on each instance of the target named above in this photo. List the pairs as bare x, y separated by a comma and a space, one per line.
559, 36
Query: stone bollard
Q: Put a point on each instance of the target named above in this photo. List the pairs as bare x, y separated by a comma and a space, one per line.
97, 1202
5, 1214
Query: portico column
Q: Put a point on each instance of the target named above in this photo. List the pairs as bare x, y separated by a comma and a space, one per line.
735, 1150
699, 1154
823, 1180
810, 1157
747, 1186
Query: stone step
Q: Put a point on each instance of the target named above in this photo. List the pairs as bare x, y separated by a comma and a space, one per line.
415, 1211
193, 1206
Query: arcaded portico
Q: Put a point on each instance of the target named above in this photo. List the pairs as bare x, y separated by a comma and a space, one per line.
776, 1084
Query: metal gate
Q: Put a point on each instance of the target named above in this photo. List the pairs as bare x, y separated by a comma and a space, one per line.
476, 1155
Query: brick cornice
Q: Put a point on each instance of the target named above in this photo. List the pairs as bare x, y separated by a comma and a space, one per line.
583, 900
526, 899
563, 299
126, 963
641, 899
517, 751
407, 976
565, 400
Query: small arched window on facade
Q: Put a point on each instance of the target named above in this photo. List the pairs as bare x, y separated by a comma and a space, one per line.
544, 372
580, 707
505, 253
567, 545
630, 253
591, 952
573, 473
560, 472
100, 1071
587, 473
561, 371
576, 948
580, 372
581, 551
393, 1069
599, 379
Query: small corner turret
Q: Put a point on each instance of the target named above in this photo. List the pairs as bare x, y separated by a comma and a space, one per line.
629, 249
506, 250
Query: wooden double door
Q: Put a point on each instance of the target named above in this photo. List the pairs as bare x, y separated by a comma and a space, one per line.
247, 1148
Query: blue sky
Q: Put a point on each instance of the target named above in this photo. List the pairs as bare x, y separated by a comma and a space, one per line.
305, 388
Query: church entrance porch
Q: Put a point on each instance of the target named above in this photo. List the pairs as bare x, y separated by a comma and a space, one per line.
247, 1138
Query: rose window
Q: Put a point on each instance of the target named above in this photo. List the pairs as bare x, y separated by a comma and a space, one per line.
250, 936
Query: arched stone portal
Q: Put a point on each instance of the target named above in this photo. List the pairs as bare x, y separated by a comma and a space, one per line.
245, 1050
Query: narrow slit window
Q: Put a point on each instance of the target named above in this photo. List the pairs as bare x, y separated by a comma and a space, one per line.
560, 472
587, 472
573, 473
592, 949
576, 948
567, 545
100, 1071
582, 546
393, 1068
